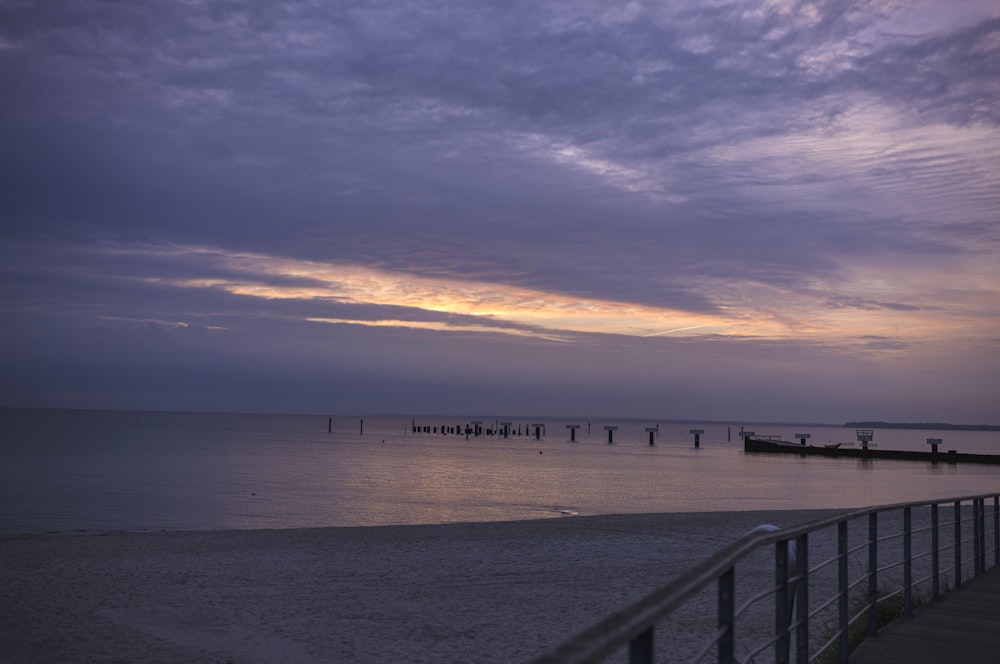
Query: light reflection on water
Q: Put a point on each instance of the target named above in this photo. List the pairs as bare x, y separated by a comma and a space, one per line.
68, 470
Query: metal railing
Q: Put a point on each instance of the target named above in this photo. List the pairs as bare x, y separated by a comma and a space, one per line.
817, 611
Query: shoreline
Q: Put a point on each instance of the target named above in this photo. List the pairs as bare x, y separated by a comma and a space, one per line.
97, 532
484, 591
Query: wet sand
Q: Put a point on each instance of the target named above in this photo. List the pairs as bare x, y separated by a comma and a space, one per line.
482, 592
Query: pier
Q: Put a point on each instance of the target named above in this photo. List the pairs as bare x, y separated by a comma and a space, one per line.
767, 445
910, 582
962, 627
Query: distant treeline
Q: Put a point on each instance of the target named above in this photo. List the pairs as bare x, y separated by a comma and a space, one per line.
941, 426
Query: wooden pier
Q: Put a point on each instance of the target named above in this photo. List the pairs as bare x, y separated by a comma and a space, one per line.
960, 627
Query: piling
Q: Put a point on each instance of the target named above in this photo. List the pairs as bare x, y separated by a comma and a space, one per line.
329, 425
538, 430
697, 436
652, 432
362, 428
572, 431
611, 433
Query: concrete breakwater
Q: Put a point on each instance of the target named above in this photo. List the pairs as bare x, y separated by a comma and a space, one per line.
766, 446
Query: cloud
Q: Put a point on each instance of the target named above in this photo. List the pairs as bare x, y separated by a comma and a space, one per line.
571, 174
455, 303
205, 286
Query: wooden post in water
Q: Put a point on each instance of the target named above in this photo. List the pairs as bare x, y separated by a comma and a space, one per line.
362, 428
572, 431
611, 433
538, 430
697, 436
329, 425
652, 432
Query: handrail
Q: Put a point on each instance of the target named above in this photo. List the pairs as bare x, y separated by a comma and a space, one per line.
634, 625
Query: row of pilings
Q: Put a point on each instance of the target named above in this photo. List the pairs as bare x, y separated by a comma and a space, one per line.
479, 428
476, 428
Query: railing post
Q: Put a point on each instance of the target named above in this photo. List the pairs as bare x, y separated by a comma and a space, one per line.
907, 563
958, 544
872, 574
996, 531
982, 535
782, 614
802, 599
640, 649
976, 538
842, 581
727, 616
935, 555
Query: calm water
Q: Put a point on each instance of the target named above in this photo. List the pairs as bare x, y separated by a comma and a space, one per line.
103, 470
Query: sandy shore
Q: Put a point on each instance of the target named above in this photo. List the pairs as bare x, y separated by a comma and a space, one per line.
486, 592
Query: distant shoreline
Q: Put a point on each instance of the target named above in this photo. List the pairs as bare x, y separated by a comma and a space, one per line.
938, 426
941, 426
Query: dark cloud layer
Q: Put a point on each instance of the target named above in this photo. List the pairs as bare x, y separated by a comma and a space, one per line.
258, 183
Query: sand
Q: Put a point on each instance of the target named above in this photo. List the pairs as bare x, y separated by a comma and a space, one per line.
484, 592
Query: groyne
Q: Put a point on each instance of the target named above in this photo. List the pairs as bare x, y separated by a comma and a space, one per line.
765, 446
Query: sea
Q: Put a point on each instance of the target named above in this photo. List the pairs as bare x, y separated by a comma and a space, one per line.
80, 470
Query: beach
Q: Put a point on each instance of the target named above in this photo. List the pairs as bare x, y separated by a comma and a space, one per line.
171, 537
483, 592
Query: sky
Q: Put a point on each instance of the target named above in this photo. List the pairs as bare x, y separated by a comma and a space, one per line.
706, 209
